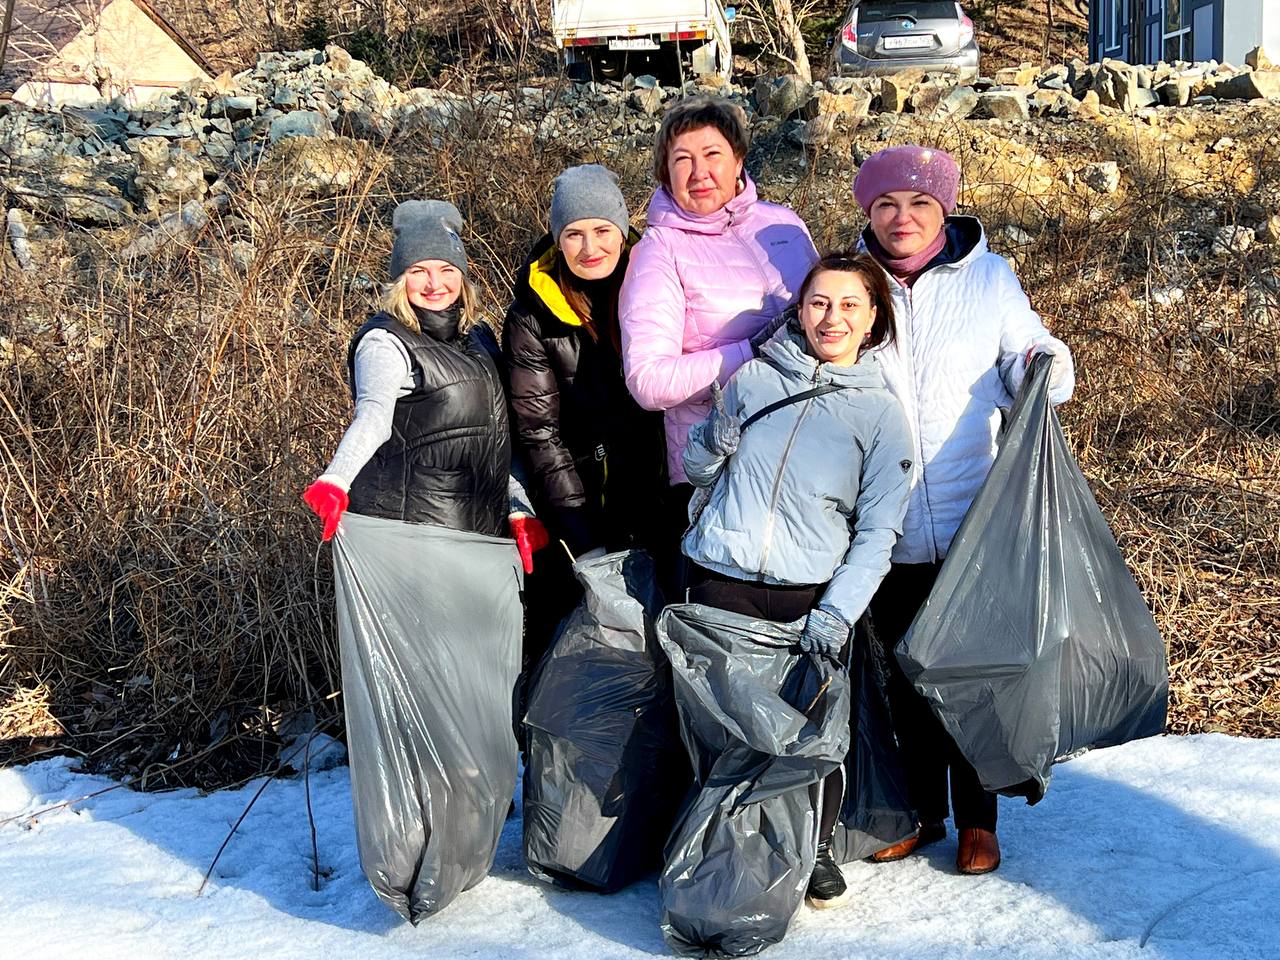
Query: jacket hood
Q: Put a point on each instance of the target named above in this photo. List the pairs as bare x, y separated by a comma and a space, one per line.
966, 242
787, 351
536, 288
665, 212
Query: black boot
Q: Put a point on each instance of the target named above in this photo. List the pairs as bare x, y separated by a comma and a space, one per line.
826, 884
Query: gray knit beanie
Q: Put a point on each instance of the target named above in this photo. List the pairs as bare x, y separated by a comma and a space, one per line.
426, 230
585, 193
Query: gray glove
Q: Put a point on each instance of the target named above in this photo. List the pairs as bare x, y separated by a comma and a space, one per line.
722, 431
765, 334
825, 633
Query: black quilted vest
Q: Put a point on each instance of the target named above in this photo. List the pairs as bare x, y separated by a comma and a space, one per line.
449, 454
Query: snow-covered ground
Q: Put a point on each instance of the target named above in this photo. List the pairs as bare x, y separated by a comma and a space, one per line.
1166, 848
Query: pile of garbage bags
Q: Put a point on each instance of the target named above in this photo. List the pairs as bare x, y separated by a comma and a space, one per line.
695, 740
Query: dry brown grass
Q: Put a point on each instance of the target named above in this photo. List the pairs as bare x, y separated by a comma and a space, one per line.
164, 599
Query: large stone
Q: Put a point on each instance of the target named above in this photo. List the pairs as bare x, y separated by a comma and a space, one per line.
1116, 85
815, 132
1003, 105
74, 188
312, 167
1258, 59
956, 104
870, 86
855, 104
896, 90
433, 109
163, 183
1251, 85
1102, 177
233, 108
928, 94
299, 123
1023, 75
1144, 97
782, 96
648, 100
1175, 92
1054, 103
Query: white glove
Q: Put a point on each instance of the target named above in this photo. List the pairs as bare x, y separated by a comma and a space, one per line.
1062, 375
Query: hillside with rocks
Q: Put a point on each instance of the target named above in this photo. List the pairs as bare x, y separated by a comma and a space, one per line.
184, 279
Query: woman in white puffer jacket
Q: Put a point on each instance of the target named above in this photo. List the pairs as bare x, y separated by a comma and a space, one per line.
966, 334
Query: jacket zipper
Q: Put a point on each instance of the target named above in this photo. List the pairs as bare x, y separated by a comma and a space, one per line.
919, 443
764, 278
777, 477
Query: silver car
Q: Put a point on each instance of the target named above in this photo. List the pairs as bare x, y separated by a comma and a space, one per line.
885, 36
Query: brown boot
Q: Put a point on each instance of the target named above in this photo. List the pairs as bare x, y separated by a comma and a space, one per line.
927, 834
979, 851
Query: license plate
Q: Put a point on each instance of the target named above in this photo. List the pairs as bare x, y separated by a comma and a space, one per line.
632, 43
907, 43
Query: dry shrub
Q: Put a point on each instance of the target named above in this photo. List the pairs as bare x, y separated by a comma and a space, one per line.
165, 594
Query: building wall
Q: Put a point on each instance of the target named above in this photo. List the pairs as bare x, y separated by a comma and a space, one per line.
49, 93
1242, 27
126, 48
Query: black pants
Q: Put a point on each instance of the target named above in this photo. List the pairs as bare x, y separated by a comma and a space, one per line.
670, 564
928, 751
781, 604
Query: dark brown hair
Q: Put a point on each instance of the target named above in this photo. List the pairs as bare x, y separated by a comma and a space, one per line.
694, 113
883, 329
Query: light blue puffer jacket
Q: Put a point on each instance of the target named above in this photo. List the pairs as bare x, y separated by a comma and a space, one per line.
817, 490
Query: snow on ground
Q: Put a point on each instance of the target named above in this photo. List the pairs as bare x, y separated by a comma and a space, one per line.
1172, 842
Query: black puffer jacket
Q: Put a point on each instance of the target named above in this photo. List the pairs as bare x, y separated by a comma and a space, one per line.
449, 455
597, 460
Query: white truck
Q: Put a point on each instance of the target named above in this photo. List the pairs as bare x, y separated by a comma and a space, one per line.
605, 39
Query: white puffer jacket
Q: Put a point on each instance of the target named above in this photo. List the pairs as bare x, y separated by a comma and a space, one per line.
963, 333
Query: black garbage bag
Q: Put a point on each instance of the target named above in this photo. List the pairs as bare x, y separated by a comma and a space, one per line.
763, 723
1035, 643
429, 625
876, 812
605, 770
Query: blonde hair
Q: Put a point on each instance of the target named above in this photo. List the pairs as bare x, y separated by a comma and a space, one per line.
395, 301
694, 113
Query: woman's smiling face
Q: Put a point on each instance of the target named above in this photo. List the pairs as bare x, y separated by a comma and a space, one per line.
836, 316
702, 170
905, 222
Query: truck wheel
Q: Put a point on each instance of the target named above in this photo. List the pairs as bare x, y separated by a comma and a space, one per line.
610, 64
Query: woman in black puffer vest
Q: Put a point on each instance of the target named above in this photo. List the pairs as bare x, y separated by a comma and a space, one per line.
596, 460
430, 441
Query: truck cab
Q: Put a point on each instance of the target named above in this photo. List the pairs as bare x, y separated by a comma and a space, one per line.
604, 39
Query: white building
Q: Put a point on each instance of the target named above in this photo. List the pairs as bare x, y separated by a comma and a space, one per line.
58, 52
1145, 31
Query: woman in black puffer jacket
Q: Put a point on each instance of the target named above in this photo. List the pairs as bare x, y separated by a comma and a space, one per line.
596, 460
429, 442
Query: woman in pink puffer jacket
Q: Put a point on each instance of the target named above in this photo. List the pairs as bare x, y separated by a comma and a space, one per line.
714, 266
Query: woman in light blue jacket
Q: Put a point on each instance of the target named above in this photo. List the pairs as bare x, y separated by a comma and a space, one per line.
805, 466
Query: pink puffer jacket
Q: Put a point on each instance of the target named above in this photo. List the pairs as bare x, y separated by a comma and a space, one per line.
697, 288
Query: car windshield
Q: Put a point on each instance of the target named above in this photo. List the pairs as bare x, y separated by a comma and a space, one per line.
877, 11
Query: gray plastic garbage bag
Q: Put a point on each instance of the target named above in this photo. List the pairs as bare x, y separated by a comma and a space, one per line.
1035, 643
605, 769
429, 625
876, 812
763, 724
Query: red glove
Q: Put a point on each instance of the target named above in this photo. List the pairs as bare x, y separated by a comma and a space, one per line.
328, 501
530, 536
